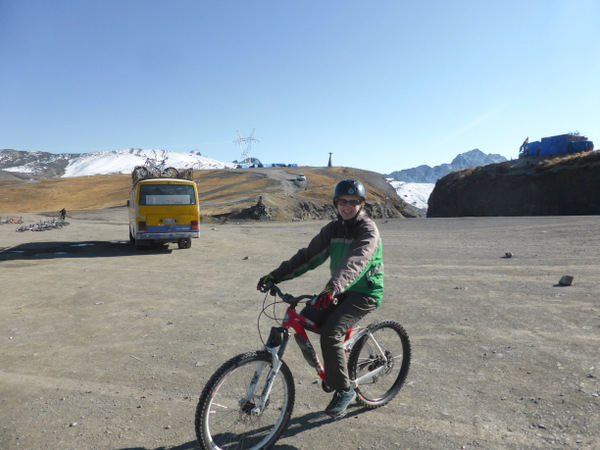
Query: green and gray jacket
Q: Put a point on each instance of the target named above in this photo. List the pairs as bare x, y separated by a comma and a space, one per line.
354, 249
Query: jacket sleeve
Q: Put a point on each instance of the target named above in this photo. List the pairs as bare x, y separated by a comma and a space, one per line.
307, 258
358, 258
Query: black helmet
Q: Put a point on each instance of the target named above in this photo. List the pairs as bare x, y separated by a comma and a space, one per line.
350, 187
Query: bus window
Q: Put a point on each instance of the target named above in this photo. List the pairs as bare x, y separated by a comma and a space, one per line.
167, 194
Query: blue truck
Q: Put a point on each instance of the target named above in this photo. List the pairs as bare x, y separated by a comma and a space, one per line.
563, 144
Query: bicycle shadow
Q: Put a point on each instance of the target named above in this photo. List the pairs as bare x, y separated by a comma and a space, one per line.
297, 425
70, 249
314, 420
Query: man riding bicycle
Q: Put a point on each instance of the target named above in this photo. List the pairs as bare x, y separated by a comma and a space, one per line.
353, 244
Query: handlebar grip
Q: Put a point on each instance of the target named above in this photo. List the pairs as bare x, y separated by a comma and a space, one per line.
267, 286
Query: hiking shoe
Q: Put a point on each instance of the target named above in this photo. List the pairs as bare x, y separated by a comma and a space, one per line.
339, 403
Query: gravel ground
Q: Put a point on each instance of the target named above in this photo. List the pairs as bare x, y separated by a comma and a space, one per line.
104, 347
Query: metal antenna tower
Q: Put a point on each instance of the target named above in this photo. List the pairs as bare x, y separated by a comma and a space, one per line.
245, 144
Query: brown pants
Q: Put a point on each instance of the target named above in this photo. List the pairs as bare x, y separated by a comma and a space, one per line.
334, 321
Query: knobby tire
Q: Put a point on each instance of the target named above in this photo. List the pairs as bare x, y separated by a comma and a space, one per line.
170, 172
378, 391
221, 422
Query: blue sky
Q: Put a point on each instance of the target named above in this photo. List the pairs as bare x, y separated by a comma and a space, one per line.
382, 85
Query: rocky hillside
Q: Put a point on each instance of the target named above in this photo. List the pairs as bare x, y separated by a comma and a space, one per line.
35, 164
567, 185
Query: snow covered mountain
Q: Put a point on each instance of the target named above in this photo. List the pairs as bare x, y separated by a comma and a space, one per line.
415, 185
426, 174
106, 162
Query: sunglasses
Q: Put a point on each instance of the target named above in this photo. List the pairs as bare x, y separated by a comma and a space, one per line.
344, 202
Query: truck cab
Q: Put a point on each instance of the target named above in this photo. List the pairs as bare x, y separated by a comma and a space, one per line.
163, 210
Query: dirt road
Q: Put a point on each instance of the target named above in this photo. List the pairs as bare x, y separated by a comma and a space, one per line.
104, 347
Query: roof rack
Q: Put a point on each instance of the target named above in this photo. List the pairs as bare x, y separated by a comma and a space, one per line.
143, 173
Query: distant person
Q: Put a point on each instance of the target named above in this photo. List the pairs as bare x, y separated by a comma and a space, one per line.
63, 214
353, 244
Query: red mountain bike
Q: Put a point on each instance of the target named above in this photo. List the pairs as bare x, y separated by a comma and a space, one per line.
248, 402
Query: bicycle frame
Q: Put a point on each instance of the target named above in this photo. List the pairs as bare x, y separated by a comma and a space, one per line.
277, 343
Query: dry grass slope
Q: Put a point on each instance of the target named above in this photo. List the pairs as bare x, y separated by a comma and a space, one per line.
223, 193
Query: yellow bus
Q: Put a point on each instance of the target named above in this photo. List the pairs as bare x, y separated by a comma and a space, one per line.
163, 210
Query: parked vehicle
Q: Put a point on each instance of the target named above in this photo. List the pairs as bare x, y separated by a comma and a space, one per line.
163, 210
562, 144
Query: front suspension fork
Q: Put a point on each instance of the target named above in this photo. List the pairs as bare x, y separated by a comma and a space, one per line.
279, 337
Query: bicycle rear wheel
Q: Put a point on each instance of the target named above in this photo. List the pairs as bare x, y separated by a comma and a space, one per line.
392, 339
224, 417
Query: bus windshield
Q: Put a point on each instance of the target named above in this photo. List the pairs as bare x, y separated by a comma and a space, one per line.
167, 194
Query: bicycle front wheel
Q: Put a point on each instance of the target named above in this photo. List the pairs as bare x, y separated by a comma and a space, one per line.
170, 172
226, 417
387, 349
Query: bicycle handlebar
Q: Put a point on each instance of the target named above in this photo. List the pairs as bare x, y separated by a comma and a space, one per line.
274, 290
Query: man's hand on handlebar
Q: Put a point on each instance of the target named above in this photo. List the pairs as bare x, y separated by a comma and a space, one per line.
265, 282
325, 298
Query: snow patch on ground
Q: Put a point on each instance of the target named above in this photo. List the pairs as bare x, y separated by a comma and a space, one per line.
415, 194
